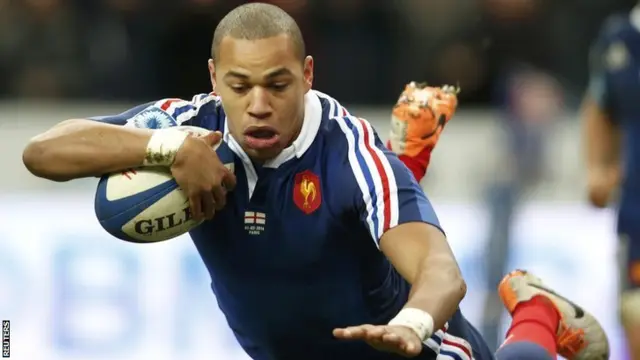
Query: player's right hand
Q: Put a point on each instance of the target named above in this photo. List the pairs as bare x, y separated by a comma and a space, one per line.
602, 185
395, 339
202, 176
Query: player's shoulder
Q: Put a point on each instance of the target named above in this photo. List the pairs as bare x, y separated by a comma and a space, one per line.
615, 27
203, 110
343, 131
350, 133
350, 144
336, 126
617, 39
616, 23
342, 128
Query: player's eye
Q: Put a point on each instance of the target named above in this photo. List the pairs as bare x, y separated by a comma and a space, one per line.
280, 86
239, 88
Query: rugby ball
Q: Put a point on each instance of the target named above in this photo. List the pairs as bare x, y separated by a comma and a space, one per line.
144, 205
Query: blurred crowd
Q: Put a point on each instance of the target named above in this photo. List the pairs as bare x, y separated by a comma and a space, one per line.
365, 50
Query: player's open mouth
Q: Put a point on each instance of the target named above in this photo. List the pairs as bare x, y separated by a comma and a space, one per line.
261, 137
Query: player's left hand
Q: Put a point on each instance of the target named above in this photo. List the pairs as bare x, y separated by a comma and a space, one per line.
395, 339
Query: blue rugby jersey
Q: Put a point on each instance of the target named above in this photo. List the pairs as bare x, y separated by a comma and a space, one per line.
295, 252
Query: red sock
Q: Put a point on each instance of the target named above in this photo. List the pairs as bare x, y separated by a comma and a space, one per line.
535, 321
417, 164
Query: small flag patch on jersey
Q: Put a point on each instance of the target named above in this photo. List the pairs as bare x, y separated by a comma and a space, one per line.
254, 222
252, 217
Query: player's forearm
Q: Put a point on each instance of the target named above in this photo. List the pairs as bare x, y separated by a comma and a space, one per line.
601, 137
438, 288
83, 148
421, 254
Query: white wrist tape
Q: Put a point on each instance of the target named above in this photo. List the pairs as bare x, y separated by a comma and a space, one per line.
421, 322
163, 147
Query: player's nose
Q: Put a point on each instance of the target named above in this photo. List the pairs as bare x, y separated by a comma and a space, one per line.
260, 106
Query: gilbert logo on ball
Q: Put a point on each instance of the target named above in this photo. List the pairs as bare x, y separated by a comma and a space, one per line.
146, 205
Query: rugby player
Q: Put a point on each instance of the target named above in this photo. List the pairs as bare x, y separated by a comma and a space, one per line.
611, 121
348, 260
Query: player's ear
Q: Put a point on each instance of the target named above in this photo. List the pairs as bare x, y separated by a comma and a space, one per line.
308, 72
212, 73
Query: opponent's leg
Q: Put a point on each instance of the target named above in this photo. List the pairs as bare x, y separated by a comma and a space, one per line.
546, 324
532, 332
417, 121
629, 252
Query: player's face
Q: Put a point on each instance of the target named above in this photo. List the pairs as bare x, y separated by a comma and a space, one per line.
262, 84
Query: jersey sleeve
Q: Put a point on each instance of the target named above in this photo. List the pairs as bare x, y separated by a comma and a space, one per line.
161, 114
386, 194
599, 88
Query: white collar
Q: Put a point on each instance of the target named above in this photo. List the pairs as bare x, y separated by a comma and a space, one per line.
634, 17
310, 127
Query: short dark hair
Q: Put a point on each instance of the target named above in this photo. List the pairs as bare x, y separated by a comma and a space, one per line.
256, 21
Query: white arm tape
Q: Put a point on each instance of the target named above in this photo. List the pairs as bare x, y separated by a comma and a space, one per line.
163, 147
421, 322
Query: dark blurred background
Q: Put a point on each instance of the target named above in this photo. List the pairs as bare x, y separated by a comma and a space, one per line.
365, 49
